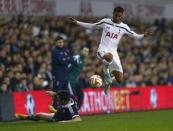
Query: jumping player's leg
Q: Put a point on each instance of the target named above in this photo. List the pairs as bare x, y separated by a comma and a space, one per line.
114, 68
106, 58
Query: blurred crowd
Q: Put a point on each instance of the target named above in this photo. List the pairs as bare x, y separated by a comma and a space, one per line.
26, 43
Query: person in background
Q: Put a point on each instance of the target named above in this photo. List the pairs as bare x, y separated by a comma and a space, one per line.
74, 73
4, 88
61, 62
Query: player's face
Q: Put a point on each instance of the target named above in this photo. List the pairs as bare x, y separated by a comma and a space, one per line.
59, 100
85, 52
118, 17
60, 43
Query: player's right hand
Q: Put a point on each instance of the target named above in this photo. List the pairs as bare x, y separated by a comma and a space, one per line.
148, 32
72, 20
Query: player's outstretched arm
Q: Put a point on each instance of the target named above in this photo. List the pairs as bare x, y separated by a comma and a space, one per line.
50, 93
135, 35
86, 25
146, 33
73, 20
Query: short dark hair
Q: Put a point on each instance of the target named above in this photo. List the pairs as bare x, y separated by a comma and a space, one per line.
58, 38
64, 97
118, 9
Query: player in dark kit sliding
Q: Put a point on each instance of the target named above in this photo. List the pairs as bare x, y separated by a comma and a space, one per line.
67, 111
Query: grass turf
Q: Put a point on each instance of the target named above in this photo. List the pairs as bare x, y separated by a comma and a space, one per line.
133, 121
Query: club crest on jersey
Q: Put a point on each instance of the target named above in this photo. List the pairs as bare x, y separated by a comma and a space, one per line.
107, 27
119, 31
111, 35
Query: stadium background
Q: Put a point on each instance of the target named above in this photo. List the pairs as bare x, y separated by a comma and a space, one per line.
27, 32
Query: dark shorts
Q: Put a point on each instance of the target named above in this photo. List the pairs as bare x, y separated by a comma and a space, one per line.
61, 115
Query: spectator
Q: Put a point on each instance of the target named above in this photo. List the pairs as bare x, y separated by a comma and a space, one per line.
4, 88
22, 86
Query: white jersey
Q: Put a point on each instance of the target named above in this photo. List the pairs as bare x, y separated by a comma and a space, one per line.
112, 32
111, 35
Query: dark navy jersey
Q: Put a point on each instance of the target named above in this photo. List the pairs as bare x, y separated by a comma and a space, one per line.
60, 62
66, 112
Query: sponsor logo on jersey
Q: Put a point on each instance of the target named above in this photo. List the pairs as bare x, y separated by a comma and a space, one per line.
111, 35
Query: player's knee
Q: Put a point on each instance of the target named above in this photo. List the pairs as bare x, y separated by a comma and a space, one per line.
108, 57
118, 76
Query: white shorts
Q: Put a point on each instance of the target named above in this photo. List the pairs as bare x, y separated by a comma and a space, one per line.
115, 64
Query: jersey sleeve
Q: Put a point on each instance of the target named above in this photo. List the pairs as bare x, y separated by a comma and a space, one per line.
132, 34
91, 25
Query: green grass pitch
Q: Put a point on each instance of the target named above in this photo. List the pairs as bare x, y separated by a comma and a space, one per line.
132, 121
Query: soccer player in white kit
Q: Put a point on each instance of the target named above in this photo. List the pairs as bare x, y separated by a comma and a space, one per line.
113, 30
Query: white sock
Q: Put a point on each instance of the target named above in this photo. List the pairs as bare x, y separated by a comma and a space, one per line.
113, 78
106, 63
